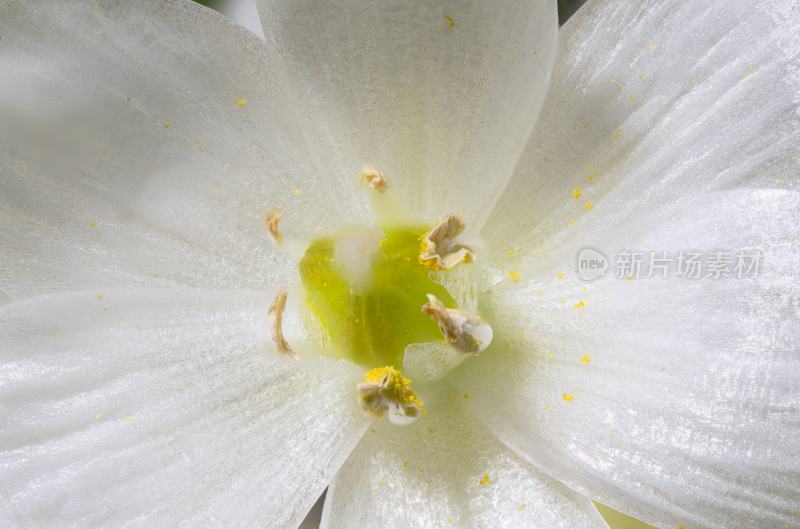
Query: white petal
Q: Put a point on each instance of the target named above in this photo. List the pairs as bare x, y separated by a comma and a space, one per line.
428, 475
127, 160
438, 97
170, 409
675, 400
655, 102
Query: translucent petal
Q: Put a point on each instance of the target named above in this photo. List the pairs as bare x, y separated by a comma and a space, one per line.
446, 470
655, 102
163, 409
143, 142
675, 400
438, 97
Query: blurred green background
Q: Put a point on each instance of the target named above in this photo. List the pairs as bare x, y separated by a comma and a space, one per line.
244, 12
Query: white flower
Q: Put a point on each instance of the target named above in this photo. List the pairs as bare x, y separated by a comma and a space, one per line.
142, 143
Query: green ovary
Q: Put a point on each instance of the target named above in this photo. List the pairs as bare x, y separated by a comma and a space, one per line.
373, 326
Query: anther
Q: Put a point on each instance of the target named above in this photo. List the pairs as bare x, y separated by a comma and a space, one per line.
463, 330
374, 179
275, 312
439, 251
385, 389
271, 221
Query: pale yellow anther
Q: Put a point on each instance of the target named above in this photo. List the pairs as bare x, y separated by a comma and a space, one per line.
463, 330
275, 314
385, 389
374, 179
271, 221
439, 251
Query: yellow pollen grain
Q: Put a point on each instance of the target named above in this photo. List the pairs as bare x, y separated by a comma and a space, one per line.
167, 125
585, 359
450, 520
466, 396
406, 463
92, 224
651, 46
97, 416
629, 278
522, 506
449, 20
99, 297
516, 277
571, 222
579, 305
539, 292
549, 407
642, 76
485, 480
568, 397
631, 97
549, 354
576, 193
128, 418
560, 276
297, 192
588, 206
240, 102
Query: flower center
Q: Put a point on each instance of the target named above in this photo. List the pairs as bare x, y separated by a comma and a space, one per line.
397, 299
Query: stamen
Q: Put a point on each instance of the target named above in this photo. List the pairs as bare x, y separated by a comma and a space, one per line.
439, 251
271, 221
385, 389
463, 330
276, 313
374, 179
